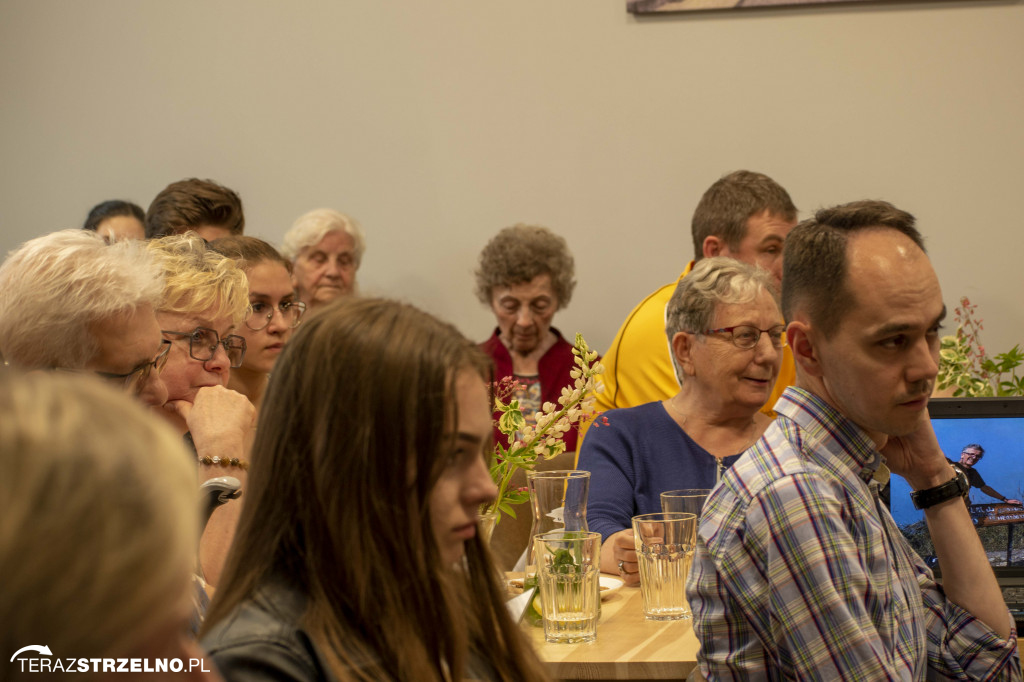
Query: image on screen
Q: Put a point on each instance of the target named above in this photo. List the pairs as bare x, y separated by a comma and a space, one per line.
1000, 470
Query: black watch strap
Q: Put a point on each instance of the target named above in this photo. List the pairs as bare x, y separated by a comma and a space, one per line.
955, 487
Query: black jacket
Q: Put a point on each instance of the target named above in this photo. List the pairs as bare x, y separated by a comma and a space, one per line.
263, 640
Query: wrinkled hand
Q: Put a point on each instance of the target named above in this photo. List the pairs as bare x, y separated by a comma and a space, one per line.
220, 420
623, 549
917, 456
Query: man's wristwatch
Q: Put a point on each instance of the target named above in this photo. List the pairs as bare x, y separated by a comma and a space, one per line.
956, 487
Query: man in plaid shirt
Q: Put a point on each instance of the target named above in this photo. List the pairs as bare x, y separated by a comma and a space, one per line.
800, 572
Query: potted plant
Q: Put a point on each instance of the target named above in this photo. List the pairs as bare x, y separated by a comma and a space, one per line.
966, 369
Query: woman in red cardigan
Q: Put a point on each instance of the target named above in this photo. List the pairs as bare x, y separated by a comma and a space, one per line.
526, 275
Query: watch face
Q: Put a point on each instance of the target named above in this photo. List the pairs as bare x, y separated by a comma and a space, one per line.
962, 484
965, 486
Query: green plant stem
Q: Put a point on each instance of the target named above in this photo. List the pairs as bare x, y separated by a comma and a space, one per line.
506, 476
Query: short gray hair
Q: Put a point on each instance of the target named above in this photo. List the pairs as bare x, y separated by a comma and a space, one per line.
712, 281
311, 227
55, 287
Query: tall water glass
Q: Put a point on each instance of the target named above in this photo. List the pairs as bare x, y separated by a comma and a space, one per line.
568, 575
558, 499
664, 548
686, 501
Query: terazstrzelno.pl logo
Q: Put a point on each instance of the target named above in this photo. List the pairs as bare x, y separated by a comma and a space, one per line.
39, 659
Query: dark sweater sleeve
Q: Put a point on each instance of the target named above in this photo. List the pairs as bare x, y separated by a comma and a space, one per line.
608, 453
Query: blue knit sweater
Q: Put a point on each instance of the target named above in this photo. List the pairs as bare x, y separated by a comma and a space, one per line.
640, 453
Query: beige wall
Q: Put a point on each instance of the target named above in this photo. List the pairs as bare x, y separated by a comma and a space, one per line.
436, 123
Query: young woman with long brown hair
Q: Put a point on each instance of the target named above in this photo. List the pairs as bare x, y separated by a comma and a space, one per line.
357, 555
274, 311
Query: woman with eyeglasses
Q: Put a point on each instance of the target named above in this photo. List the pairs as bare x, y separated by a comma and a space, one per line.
204, 304
274, 311
726, 333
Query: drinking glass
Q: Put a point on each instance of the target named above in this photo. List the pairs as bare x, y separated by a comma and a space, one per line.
568, 576
664, 548
558, 499
686, 501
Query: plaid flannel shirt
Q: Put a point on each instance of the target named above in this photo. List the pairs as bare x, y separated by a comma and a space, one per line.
800, 572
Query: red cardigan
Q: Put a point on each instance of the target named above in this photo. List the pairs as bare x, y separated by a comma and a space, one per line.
553, 368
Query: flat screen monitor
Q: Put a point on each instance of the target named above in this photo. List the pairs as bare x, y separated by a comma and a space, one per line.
996, 425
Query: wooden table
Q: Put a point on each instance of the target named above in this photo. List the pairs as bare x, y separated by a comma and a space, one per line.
628, 646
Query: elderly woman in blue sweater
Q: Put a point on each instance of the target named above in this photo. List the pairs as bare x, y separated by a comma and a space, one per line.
726, 333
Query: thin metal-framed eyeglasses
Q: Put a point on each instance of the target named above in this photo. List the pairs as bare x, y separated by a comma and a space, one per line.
291, 313
203, 342
746, 336
132, 382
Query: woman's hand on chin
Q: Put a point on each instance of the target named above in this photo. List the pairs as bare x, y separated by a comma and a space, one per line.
220, 420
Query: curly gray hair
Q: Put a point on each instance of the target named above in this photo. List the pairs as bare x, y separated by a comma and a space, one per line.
519, 253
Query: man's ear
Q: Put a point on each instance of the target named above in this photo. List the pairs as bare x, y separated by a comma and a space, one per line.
682, 343
713, 246
801, 340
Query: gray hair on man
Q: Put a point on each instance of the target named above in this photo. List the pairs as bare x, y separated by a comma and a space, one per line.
311, 227
55, 288
712, 281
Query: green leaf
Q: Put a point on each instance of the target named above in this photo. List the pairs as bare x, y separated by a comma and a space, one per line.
518, 496
563, 558
511, 421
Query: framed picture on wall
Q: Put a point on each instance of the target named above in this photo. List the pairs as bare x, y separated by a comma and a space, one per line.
658, 6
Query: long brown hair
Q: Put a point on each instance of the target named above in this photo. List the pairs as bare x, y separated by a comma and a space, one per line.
338, 501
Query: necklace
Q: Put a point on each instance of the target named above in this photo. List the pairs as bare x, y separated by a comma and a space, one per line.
679, 413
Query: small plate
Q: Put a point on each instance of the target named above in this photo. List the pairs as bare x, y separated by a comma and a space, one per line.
609, 586
514, 586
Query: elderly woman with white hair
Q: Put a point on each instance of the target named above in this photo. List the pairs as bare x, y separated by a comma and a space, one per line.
98, 532
70, 301
326, 248
726, 333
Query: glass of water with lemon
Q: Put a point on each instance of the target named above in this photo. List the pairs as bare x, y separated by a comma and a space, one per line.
568, 578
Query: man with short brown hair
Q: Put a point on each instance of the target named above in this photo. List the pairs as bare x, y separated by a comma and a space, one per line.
210, 209
743, 215
799, 571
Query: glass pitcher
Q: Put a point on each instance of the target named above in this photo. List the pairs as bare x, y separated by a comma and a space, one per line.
558, 500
